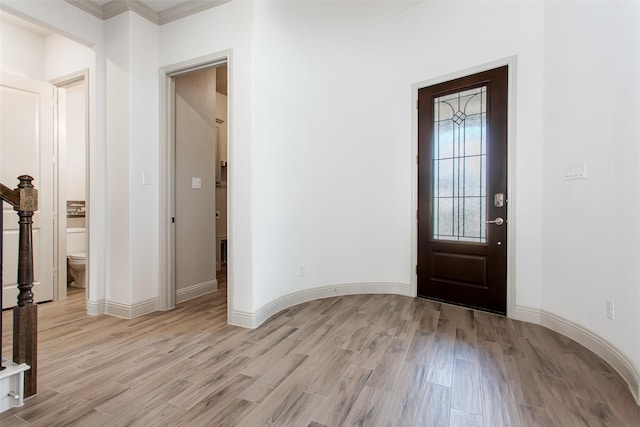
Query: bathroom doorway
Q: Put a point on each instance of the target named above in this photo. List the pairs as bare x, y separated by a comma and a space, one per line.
194, 196
71, 172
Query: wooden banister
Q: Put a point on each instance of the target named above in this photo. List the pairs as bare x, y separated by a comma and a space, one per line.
10, 196
24, 199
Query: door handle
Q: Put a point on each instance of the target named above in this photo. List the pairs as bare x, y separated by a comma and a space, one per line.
497, 221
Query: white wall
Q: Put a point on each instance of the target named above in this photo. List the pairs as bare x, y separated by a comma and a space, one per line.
132, 150
63, 56
118, 141
21, 52
144, 158
590, 227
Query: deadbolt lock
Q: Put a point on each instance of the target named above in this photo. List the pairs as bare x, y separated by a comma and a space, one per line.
498, 200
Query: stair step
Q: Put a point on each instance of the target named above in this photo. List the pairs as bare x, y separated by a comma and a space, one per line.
12, 384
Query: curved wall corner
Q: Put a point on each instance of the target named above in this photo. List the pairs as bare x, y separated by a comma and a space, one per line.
254, 320
592, 341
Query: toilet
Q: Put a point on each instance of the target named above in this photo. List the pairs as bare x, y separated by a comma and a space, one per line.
76, 256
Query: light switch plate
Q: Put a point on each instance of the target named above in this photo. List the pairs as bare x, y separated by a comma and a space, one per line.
196, 183
573, 172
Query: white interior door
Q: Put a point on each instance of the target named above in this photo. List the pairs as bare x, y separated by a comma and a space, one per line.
26, 148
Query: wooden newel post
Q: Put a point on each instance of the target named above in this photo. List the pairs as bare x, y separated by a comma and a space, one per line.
25, 315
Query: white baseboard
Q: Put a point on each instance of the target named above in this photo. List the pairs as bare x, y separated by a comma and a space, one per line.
253, 320
196, 291
122, 310
587, 338
95, 308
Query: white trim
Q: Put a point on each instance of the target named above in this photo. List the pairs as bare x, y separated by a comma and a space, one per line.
122, 310
594, 342
95, 308
59, 195
196, 291
185, 9
12, 380
113, 8
88, 7
131, 311
511, 62
167, 254
253, 320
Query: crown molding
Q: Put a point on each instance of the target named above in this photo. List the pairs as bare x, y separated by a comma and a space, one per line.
187, 8
88, 7
116, 7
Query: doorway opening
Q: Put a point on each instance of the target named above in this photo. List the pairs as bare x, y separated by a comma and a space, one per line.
194, 194
71, 172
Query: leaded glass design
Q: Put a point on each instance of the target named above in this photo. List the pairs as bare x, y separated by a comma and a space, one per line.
460, 166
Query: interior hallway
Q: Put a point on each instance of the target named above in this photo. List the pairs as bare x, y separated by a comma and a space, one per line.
354, 360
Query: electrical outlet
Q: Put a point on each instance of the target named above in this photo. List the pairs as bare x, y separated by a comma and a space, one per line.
610, 309
301, 270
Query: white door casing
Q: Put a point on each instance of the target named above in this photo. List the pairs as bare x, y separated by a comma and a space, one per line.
26, 148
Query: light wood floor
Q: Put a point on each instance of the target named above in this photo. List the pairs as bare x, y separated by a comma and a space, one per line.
368, 360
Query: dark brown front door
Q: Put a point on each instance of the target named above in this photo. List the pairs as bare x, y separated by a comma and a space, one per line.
462, 191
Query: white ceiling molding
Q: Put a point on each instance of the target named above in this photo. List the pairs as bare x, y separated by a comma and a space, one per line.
187, 8
88, 7
116, 7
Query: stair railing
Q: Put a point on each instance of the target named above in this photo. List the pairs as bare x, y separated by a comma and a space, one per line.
24, 200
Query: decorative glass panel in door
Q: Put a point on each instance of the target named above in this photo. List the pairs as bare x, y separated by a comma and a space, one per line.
460, 166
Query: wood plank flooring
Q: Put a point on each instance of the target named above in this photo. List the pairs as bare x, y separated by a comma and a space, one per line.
365, 360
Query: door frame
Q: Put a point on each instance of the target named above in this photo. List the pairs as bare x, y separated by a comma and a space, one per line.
167, 285
511, 62
60, 209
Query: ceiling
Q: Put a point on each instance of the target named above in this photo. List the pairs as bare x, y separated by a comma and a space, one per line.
157, 11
